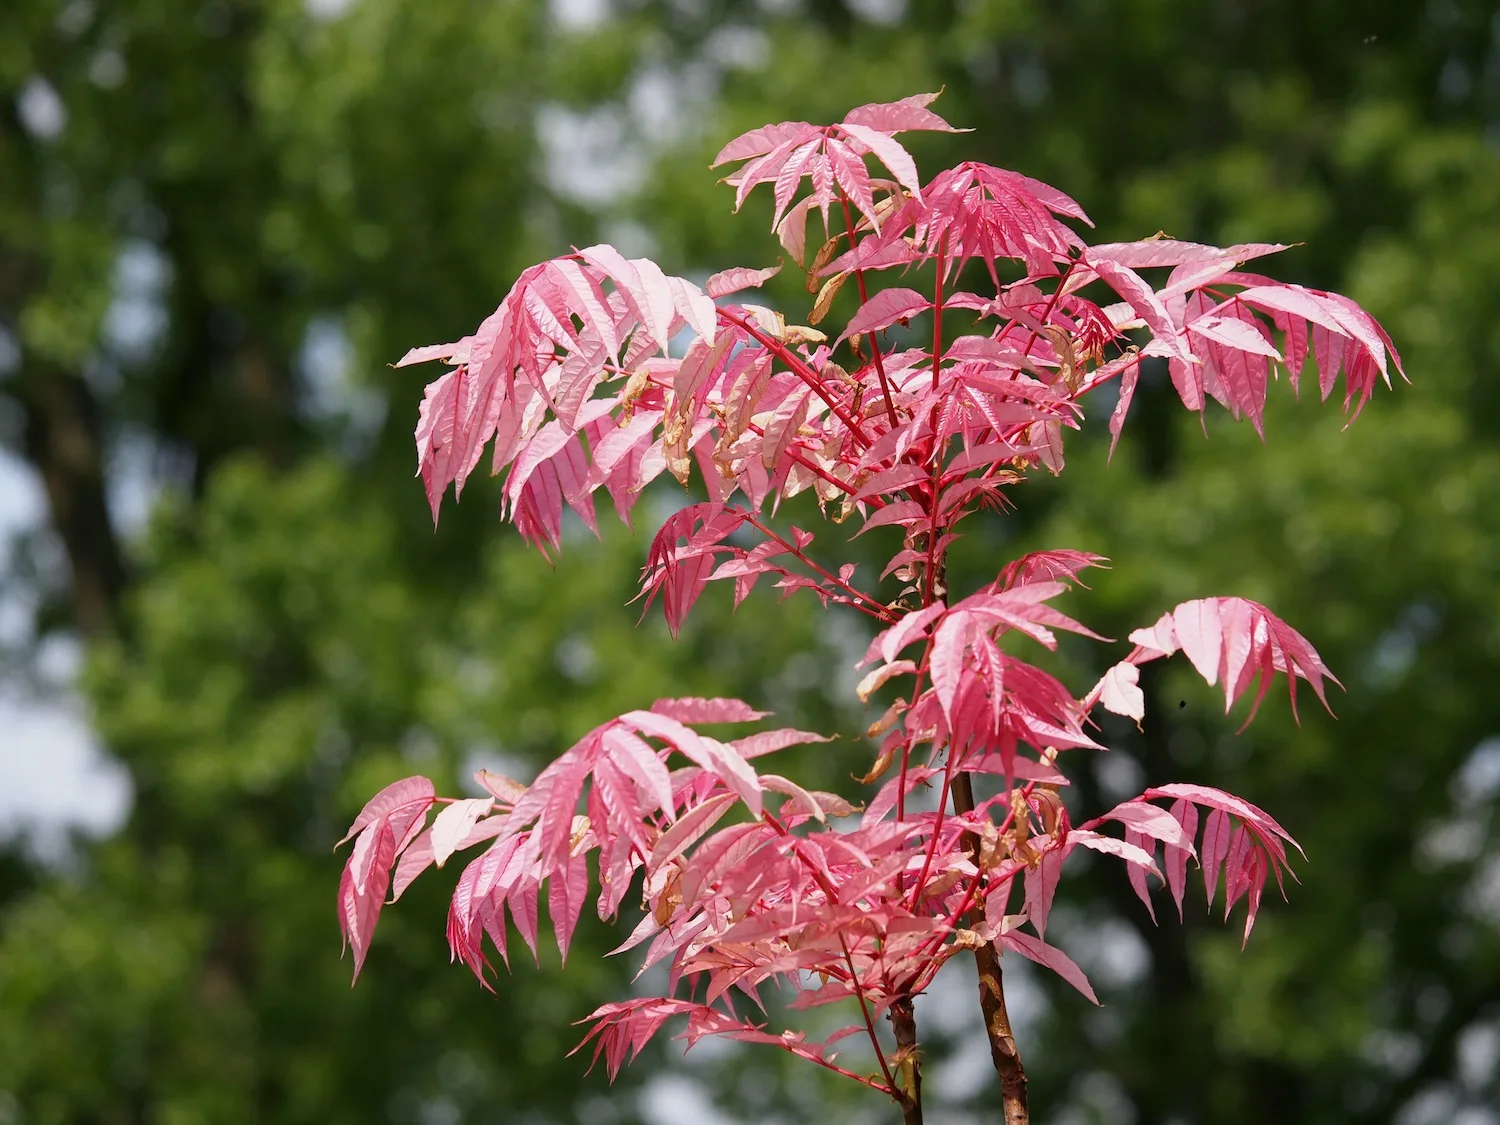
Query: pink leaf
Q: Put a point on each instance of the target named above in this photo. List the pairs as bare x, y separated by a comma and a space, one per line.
1051, 957
898, 117
566, 891
1119, 691
639, 762
409, 792
1216, 834
718, 758
1041, 885
891, 154
883, 310
1148, 820
1199, 633
769, 741
695, 710
1128, 383
733, 280
689, 829
451, 826
946, 666
1143, 299
1177, 858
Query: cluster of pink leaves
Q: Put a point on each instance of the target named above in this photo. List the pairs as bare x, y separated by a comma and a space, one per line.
578, 381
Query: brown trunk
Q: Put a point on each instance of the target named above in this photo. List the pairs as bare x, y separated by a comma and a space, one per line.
1003, 1051
909, 1067
63, 443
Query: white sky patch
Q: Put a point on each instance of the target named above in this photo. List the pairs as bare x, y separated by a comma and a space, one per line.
588, 156
40, 109
579, 15
327, 10
672, 1099
886, 12
54, 777
137, 316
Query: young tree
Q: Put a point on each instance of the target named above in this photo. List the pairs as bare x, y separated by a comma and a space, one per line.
572, 380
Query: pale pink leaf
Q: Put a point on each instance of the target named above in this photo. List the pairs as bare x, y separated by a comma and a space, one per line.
694, 710
408, 792
689, 829
451, 826
725, 282
885, 309
909, 113
1051, 957
566, 891
890, 153
1119, 691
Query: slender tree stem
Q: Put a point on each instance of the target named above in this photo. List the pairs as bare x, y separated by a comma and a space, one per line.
904, 1024
997, 1027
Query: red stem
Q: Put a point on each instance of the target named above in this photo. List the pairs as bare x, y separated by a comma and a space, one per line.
813, 467
798, 367
864, 1010
871, 606
864, 297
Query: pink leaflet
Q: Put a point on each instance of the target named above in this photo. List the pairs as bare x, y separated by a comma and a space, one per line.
721, 760
1148, 820
725, 282
408, 792
890, 153
883, 310
551, 799
414, 860
639, 762
1137, 875
1143, 299
359, 906
758, 142
910, 113
1047, 566
453, 825
1154, 252
689, 829
946, 665
566, 891
1041, 884
1051, 957
1177, 858
769, 741
1216, 833
695, 711
1130, 853
902, 512
1119, 691
1200, 634
1128, 381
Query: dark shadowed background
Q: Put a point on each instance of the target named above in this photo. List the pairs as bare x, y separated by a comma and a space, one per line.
225, 618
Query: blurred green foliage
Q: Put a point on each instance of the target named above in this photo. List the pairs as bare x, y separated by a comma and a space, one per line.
289, 634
